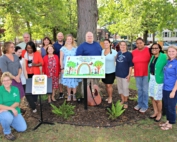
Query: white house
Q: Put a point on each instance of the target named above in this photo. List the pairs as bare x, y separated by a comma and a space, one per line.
167, 35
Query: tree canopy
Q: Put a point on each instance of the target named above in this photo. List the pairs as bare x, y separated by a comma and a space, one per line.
39, 18
130, 18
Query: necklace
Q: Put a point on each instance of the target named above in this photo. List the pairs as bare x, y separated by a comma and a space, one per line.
154, 60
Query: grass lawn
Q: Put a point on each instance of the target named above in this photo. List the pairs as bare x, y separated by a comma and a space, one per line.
132, 83
143, 131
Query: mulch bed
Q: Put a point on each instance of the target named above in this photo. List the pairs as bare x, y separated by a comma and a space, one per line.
94, 116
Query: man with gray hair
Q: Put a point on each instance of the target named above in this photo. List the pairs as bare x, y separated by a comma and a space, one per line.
26, 38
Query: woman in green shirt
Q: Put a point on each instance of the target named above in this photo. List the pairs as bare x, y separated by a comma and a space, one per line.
9, 107
155, 74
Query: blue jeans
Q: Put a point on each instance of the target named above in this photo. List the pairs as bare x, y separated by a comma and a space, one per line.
170, 106
7, 119
142, 86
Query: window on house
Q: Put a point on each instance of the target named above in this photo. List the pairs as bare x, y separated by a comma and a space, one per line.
166, 34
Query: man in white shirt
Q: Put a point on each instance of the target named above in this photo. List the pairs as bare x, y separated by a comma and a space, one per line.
26, 38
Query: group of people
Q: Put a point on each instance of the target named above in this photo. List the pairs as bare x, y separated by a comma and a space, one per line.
154, 71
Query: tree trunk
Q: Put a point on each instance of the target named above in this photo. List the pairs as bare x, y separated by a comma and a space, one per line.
87, 13
29, 29
145, 36
54, 33
153, 37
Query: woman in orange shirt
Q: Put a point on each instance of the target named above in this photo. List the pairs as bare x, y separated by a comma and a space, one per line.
33, 62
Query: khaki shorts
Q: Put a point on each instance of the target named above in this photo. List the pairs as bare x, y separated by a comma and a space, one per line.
122, 85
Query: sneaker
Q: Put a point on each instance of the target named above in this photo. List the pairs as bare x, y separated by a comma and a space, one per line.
10, 137
35, 110
61, 96
137, 107
143, 110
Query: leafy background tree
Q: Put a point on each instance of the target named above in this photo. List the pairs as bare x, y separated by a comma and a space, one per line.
135, 17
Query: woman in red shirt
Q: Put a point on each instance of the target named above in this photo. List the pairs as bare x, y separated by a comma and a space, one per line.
141, 58
51, 68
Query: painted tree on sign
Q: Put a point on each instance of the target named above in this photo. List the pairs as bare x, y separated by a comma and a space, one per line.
71, 65
98, 65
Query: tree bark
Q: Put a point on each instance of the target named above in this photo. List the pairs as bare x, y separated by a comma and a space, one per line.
87, 13
145, 36
153, 37
54, 32
29, 29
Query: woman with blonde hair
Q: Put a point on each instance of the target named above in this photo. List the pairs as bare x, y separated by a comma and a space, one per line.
170, 88
69, 49
10, 115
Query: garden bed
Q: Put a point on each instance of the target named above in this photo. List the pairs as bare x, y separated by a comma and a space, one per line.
95, 116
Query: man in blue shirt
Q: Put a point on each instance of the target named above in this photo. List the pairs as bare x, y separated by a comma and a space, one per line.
90, 47
57, 46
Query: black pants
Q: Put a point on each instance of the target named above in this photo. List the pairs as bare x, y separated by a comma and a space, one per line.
32, 99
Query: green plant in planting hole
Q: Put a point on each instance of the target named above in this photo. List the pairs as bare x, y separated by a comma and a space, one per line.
65, 110
116, 110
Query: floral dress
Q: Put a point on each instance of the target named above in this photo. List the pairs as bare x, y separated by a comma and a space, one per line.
69, 82
52, 72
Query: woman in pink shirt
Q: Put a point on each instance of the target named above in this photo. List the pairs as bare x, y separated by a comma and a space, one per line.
141, 58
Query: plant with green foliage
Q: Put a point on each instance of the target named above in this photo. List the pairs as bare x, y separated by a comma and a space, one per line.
44, 97
116, 110
65, 110
78, 95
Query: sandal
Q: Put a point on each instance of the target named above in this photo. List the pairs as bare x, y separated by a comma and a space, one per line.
125, 105
121, 102
163, 124
69, 98
110, 100
167, 127
74, 97
106, 100
10, 137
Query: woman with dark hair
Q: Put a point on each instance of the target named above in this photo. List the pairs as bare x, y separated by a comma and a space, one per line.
45, 42
123, 72
23, 76
141, 58
9, 62
110, 56
155, 77
33, 62
51, 68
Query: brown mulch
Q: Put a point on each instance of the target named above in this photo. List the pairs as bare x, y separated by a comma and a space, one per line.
93, 116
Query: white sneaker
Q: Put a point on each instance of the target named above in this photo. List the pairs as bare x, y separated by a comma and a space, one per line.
35, 110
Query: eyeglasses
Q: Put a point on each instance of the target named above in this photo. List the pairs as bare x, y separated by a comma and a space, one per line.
6, 80
154, 48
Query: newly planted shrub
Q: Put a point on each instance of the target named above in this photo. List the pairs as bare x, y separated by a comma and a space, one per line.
116, 110
65, 110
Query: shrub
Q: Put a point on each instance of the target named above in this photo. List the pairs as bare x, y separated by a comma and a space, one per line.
115, 111
65, 110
